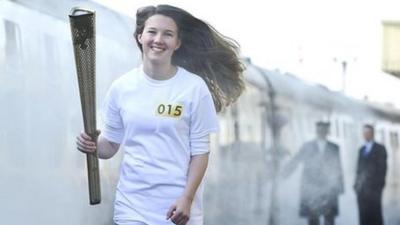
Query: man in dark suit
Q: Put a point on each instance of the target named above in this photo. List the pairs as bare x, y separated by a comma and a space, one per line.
370, 179
322, 178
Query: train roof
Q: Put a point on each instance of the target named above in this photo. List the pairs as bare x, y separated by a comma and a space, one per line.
286, 85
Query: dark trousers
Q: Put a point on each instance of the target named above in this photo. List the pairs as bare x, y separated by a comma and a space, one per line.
370, 208
328, 220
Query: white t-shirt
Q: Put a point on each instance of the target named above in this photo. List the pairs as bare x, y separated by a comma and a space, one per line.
157, 123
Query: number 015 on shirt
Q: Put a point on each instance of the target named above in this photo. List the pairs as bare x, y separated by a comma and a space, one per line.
169, 110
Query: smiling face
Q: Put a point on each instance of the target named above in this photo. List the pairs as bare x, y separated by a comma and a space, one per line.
159, 39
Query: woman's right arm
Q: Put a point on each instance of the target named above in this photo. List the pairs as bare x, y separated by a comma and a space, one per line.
106, 149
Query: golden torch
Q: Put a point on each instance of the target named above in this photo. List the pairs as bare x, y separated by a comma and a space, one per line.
83, 31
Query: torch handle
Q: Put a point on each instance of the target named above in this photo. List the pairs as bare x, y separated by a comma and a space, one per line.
93, 173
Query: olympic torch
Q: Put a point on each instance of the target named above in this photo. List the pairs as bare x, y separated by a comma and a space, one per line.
83, 31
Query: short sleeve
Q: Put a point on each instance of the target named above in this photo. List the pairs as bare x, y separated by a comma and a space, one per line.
113, 129
204, 120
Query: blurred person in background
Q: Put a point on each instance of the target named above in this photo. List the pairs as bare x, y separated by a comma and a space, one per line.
321, 179
370, 179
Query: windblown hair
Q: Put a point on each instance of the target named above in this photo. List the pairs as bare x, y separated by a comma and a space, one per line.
203, 51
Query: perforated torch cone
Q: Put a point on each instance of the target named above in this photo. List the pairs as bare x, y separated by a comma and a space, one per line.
83, 31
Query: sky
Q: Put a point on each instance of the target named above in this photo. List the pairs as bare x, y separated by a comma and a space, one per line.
308, 38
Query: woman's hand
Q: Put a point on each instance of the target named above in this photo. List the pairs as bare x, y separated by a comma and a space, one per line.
179, 212
85, 144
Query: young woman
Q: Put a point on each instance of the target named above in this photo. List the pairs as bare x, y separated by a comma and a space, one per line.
161, 115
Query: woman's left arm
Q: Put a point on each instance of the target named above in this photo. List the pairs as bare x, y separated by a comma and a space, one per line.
179, 212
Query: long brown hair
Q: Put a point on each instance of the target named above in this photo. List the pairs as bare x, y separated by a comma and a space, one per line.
203, 51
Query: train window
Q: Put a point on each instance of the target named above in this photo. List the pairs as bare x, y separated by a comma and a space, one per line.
394, 140
235, 116
337, 128
11, 42
382, 138
345, 133
2, 42
2, 35
348, 130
